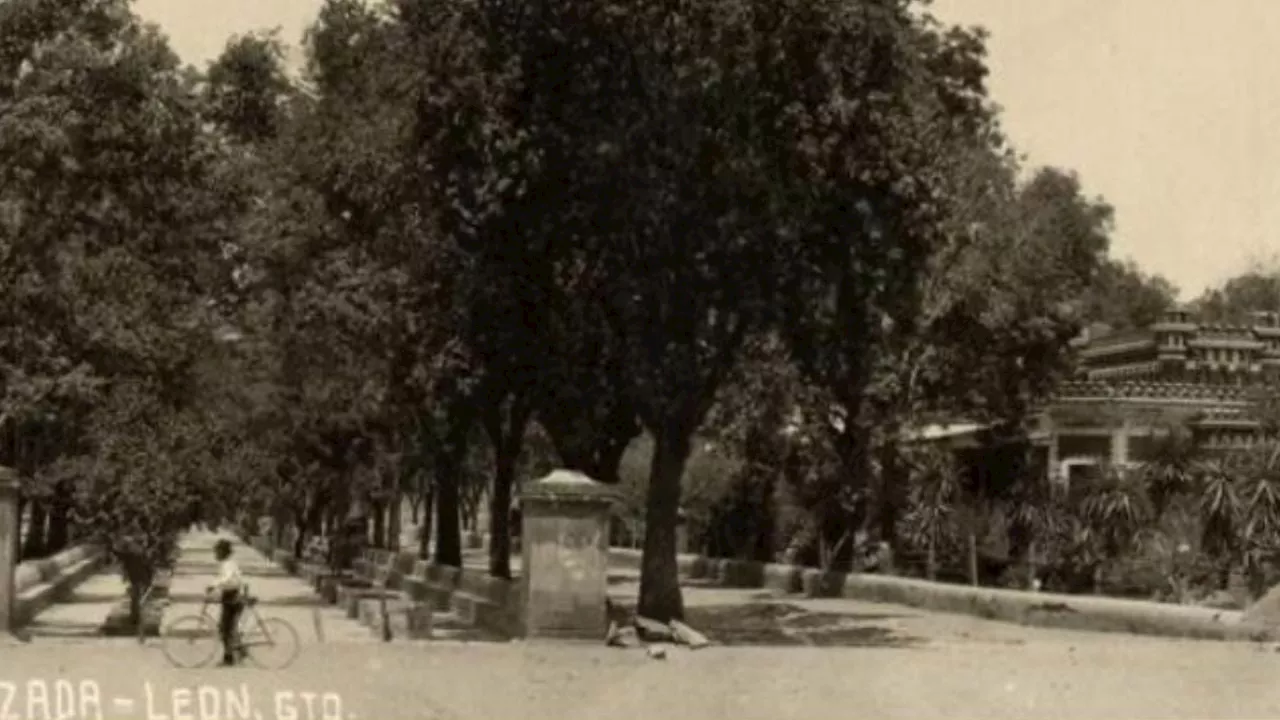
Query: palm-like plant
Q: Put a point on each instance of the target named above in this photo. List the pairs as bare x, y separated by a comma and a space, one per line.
1116, 509
1220, 511
1170, 470
1039, 520
1117, 506
1259, 495
934, 495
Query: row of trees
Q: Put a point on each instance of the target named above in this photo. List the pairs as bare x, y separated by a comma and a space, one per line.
475, 239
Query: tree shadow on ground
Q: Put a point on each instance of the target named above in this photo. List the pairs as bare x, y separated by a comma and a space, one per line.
782, 624
299, 600
189, 569
45, 629
86, 598
701, 583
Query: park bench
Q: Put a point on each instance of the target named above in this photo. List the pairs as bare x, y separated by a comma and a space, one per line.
367, 580
355, 581
486, 602
315, 561
390, 591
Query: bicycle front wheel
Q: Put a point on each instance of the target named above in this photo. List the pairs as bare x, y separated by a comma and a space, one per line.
273, 645
190, 641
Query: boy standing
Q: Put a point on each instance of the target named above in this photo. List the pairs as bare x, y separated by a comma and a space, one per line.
230, 585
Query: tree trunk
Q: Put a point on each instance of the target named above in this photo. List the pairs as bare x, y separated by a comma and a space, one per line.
1033, 569
316, 517
763, 547
500, 516
23, 504
415, 506
892, 484
59, 527
380, 525
34, 547
135, 606
506, 432
394, 509
660, 597
448, 521
931, 560
424, 530
278, 525
138, 574
973, 555
448, 496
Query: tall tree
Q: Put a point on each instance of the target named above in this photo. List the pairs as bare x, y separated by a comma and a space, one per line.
1256, 290
1123, 297
117, 207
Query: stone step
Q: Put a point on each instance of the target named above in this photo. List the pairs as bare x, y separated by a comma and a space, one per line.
479, 611
409, 622
444, 626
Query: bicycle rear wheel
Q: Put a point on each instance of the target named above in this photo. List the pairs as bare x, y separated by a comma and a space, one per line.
273, 645
190, 641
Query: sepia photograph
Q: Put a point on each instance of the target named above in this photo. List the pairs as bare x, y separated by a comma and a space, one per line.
639, 359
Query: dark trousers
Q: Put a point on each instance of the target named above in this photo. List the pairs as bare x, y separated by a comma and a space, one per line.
228, 621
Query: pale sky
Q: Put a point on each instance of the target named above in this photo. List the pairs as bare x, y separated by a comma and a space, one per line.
1169, 109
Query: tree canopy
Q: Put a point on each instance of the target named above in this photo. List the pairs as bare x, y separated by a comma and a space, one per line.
473, 236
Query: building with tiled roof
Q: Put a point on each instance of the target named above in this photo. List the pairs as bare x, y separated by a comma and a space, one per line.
1133, 385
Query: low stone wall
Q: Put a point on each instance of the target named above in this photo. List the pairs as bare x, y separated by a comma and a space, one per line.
1072, 612
41, 583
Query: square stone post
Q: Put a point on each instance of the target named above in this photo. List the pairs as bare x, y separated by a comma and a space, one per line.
1120, 443
565, 538
8, 545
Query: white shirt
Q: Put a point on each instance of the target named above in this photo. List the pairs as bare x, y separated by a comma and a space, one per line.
229, 577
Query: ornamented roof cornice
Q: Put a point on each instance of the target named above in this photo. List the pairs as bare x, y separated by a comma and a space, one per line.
1094, 390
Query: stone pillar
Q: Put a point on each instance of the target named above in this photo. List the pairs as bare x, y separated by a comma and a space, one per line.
1053, 460
8, 545
565, 536
1120, 443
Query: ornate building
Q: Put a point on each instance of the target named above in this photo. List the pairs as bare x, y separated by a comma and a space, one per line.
1134, 385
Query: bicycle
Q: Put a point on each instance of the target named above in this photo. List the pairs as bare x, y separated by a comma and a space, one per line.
192, 641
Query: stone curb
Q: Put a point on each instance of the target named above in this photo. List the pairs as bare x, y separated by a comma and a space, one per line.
1068, 612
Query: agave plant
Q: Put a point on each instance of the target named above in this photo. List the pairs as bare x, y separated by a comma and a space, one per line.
1259, 508
1220, 508
1039, 520
1116, 509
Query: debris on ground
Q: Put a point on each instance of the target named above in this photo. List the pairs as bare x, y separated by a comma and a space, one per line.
688, 636
642, 631
653, 631
621, 636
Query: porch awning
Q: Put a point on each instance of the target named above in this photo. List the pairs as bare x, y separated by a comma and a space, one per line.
928, 433
960, 431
